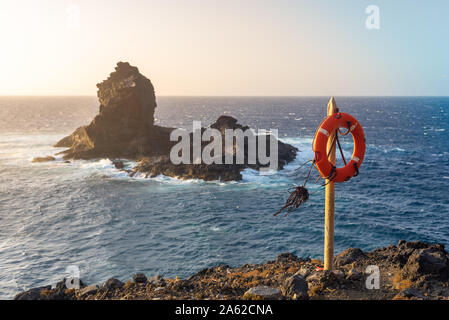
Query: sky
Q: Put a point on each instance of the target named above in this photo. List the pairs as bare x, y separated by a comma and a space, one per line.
227, 48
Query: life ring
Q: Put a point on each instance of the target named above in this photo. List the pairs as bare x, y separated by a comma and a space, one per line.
332, 124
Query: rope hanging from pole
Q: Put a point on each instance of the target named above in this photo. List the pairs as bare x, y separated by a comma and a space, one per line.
300, 194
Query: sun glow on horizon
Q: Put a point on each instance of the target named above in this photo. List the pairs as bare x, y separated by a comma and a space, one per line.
217, 48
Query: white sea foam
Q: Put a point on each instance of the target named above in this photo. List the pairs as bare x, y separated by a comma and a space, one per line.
22, 149
251, 175
174, 181
304, 144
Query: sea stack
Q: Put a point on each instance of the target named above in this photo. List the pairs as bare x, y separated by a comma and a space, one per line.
124, 126
124, 129
154, 166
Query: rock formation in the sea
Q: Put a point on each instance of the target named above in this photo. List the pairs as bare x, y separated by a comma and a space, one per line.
124, 126
43, 159
154, 166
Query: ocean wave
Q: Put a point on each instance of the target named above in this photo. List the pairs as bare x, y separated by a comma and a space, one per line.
91, 214
176, 181
42, 145
386, 149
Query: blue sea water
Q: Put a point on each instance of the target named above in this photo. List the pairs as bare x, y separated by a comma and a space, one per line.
88, 214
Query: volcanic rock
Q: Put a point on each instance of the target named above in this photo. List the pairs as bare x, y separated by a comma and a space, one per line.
353, 274
157, 281
118, 164
154, 166
112, 284
263, 281
295, 285
286, 257
304, 271
431, 262
286, 152
124, 126
92, 289
32, 294
139, 278
262, 292
43, 159
348, 256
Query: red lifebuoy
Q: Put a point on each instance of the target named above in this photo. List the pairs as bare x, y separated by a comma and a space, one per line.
329, 125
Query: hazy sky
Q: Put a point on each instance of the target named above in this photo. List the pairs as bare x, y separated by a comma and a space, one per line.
226, 47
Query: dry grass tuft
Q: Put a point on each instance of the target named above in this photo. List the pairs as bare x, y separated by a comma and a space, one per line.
315, 291
401, 284
45, 292
128, 285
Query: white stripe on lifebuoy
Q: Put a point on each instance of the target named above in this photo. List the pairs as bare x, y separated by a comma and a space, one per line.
352, 127
324, 131
355, 159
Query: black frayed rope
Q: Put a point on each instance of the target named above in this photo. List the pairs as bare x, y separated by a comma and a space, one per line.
300, 194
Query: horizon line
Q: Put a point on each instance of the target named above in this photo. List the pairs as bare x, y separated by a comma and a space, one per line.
233, 96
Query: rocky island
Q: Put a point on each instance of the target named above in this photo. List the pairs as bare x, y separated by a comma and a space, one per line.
408, 270
125, 129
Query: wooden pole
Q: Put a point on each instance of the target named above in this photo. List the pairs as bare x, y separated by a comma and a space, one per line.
329, 205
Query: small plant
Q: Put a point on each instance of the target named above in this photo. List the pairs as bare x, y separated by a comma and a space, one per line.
69, 292
128, 285
46, 292
401, 284
315, 291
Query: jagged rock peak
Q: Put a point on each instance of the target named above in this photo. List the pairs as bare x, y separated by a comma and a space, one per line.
123, 82
124, 126
122, 70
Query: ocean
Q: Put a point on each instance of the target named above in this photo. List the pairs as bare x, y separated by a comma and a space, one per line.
90, 215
